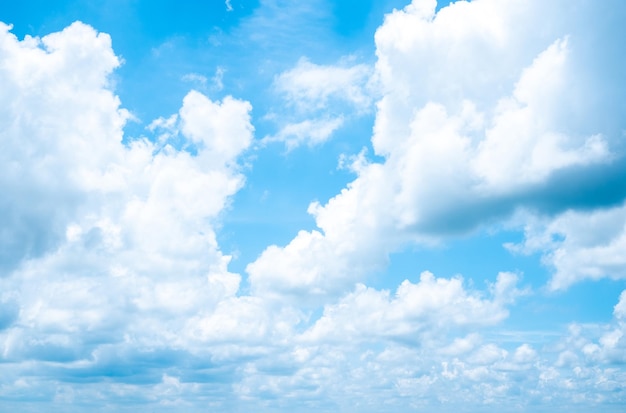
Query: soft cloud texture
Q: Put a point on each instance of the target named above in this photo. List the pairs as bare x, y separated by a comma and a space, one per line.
310, 86
474, 124
414, 313
579, 245
324, 96
110, 248
44, 125
309, 132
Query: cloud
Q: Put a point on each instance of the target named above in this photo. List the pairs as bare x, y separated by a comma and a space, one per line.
309, 86
115, 291
579, 245
213, 126
322, 97
402, 347
39, 77
218, 78
110, 247
413, 313
586, 361
420, 348
310, 132
480, 118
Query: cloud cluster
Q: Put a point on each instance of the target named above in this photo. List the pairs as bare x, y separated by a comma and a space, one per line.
312, 86
114, 290
481, 118
108, 248
410, 314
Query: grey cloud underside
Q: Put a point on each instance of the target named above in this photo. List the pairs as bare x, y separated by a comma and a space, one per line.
28, 230
144, 367
576, 188
9, 311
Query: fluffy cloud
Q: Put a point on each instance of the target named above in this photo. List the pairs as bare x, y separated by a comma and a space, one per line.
586, 366
414, 313
362, 346
41, 134
110, 247
579, 245
480, 117
114, 289
376, 346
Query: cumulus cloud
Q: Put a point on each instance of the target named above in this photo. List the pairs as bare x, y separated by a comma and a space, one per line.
112, 276
480, 117
361, 346
413, 313
110, 248
586, 361
579, 245
42, 134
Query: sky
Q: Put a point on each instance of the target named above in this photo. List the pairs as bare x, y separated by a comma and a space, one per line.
320, 206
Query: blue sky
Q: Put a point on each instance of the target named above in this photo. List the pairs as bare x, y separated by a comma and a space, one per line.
342, 206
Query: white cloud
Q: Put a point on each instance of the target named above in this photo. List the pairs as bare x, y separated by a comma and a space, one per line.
309, 86
579, 245
620, 308
525, 354
309, 132
354, 356
195, 78
111, 266
214, 126
480, 116
44, 129
414, 313
586, 366
524, 146
321, 98
202, 82
112, 247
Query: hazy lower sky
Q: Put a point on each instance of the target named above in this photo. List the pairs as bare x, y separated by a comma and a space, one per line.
313, 206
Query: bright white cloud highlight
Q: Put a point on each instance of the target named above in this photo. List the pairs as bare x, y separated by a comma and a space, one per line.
414, 313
